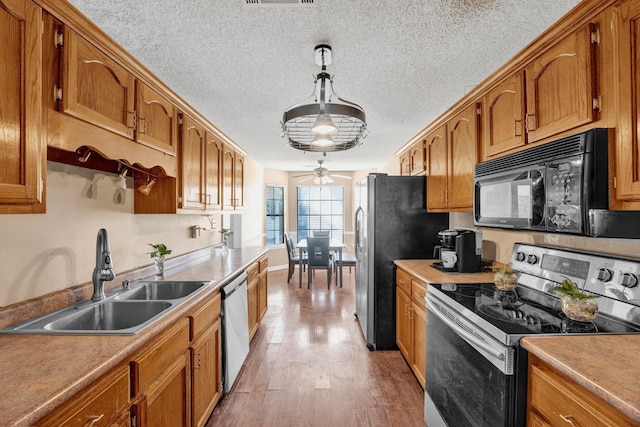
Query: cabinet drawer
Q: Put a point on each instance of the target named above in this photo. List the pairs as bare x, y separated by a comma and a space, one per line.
264, 264
403, 280
562, 402
161, 354
418, 292
204, 316
100, 404
252, 271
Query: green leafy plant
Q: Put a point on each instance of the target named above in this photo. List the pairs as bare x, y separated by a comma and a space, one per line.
571, 289
159, 249
226, 232
505, 270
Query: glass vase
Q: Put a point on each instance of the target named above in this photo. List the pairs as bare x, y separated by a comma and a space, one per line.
582, 310
159, 264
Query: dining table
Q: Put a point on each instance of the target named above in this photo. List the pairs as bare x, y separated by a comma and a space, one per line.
335, 245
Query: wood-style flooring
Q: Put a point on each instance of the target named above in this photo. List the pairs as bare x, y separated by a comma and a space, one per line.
309, 366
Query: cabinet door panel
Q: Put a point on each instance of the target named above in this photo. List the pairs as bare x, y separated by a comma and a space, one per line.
419, 342
157, 122
263, 304
228, 164
192, 164
417, 158
436, 155
504, 116
96, 89
238, 182
463, 143
21, 150
213, 153
561, 86
628, 132
168, 400
403, 325
253, 295
206, 380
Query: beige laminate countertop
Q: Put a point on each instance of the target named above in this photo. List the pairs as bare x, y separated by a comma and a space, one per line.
40, 372
606, 365
422, 269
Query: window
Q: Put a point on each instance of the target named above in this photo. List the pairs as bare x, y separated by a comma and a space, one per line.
275, 214
321, 208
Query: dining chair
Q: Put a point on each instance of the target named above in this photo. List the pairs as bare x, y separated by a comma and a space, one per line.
320, 233
318, 257
294, 258
348, 260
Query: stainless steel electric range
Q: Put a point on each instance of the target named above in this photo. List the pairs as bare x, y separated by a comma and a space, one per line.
476, 371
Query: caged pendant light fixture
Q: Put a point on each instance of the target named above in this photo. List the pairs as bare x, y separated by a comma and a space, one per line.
324, 122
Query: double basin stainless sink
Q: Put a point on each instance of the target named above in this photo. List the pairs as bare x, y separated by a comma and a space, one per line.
123, 312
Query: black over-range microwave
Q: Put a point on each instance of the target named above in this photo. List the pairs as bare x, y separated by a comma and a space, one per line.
554, 187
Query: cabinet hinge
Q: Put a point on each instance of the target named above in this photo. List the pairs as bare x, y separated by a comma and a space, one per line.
478, 110
58, 40
597, 103
57, 93
595, 37
179, 119
133, 421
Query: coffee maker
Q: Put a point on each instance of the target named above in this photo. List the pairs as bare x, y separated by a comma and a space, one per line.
460, 251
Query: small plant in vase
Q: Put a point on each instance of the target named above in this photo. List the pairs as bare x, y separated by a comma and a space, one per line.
226, 233
505, 279
576, 304
160, 250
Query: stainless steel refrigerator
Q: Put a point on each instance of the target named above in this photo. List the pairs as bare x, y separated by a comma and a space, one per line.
391, 222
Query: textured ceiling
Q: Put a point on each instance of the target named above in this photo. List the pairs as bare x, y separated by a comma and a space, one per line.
405, 62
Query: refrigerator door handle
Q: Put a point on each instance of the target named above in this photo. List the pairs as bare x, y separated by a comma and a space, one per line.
358, 231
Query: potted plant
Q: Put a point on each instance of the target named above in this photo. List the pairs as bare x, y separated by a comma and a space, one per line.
160, 250
226, 233
505, 279
576, 304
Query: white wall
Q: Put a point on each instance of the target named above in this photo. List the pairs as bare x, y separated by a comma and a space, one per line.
44, 253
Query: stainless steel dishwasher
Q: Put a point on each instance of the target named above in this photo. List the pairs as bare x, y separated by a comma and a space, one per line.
235, 329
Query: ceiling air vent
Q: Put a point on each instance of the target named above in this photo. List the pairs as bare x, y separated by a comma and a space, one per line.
279, 2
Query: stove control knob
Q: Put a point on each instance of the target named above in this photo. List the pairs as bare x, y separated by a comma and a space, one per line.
628, 280
604, 274
520, 256
532, 259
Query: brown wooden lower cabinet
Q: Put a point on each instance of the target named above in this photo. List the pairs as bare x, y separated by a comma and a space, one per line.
104, 403
555, 400
257, 291
411, 322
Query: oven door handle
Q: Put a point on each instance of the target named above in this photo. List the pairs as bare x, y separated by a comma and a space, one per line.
464, 334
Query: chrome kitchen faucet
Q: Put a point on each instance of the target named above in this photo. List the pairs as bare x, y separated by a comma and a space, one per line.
104, 269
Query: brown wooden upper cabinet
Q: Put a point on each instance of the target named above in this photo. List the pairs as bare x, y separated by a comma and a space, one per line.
95, 88
22, 149
417, 158
98, 90
232, 179
156, 124
557, 91
405, 163
452, 153
504, 112
561, 86
628, 132
192, 165
200, 160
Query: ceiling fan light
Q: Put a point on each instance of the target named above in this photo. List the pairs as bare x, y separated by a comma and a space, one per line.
324, 125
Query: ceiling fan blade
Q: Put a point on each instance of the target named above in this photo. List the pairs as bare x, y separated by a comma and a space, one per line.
300, 176
306, 179
341, 176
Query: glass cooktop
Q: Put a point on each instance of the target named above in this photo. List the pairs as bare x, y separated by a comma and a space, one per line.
524, 311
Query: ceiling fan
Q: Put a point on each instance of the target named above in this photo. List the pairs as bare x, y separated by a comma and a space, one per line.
320, 175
